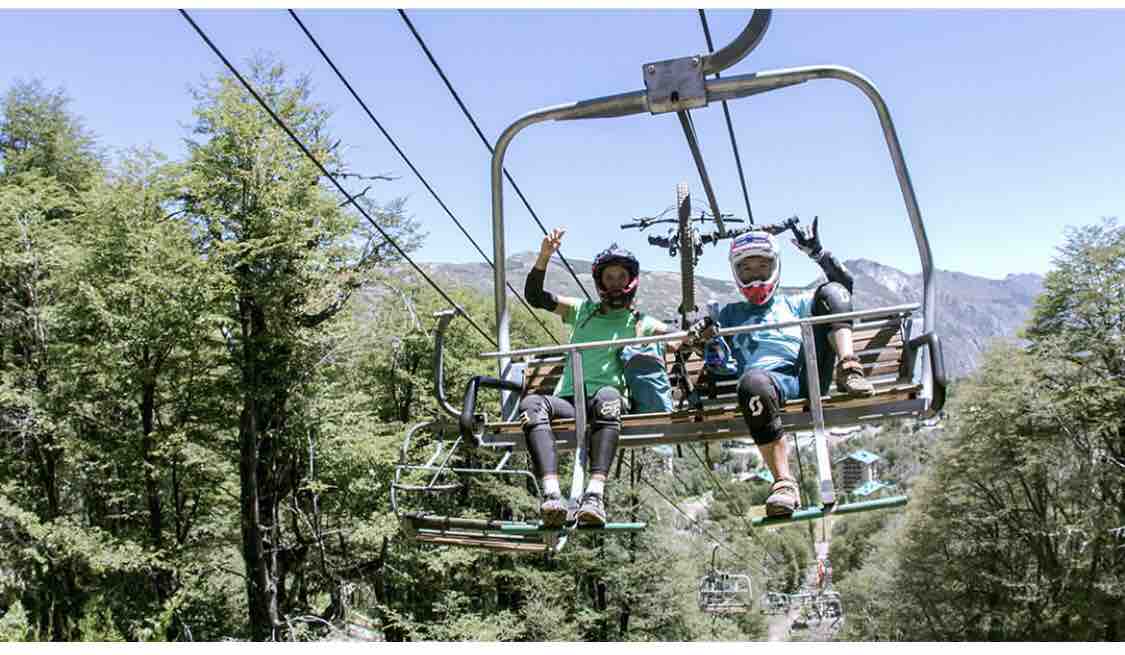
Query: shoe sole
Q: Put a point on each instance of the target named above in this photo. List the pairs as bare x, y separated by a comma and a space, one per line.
856, 393
553, 518
587, 518
779, 510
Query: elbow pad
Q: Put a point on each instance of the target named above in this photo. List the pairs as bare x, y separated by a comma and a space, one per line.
834, 270
534, 293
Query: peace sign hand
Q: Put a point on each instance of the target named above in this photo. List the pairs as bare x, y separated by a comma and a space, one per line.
551, 242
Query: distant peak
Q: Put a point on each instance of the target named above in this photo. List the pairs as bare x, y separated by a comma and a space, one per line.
867, 266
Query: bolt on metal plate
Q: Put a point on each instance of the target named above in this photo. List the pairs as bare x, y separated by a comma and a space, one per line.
674, 85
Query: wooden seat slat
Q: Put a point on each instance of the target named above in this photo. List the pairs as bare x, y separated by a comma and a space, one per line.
879, 339
894, 342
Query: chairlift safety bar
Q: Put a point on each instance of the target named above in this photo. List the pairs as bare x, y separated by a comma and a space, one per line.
725, 332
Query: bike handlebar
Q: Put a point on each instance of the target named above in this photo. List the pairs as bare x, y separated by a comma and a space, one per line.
645, 223
771, 228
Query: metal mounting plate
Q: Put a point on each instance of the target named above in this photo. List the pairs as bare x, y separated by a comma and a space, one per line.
675, 85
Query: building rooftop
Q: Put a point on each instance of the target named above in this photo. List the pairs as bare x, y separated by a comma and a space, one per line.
760, 474
864, 456
869, 487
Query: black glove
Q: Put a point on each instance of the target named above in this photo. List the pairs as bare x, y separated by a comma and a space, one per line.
700, 332
808, 239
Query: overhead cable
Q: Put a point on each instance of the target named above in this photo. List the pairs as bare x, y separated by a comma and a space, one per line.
730, 125
687, 516
413, 168
331, 178
738, 507
715, 482
472, 121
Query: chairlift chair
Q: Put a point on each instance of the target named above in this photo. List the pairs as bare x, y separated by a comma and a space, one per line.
889, 341
721, 592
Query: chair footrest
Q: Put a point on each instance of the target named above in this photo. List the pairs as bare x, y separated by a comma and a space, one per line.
537, 528
490, 542
814, 513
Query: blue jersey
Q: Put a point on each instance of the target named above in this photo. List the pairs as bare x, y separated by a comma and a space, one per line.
772, 349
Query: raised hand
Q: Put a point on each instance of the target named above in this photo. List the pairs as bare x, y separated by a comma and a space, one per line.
552, 242
808, 238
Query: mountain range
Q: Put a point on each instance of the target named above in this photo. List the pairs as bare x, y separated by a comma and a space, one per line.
971, 310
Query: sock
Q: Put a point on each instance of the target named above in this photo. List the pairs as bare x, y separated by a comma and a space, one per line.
551, 486
596, 486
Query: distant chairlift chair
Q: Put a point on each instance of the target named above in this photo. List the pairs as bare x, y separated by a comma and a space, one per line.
721, 592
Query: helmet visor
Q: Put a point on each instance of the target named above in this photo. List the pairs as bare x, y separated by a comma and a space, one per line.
755, 269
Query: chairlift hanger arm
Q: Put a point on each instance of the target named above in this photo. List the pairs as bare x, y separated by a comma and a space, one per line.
736, 50
738, 86
729, 88
692, 76
697, 156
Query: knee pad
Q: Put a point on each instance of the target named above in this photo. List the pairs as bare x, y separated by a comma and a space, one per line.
534, 411
607, 408
760, 402
605, 419
832, 298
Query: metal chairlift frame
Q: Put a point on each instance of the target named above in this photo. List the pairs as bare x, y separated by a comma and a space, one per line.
679, 85
734, 591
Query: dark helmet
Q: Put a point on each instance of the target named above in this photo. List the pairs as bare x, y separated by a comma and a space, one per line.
617, 255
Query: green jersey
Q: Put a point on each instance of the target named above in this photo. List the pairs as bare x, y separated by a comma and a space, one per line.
601, 367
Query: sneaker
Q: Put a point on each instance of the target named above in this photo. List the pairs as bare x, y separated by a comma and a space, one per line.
591, 511
850, 380
553, 511
784, 498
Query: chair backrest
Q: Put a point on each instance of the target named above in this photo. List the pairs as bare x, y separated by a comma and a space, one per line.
541, 376
877, 342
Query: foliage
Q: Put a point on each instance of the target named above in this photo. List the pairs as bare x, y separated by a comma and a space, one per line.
1014, 535
39, 135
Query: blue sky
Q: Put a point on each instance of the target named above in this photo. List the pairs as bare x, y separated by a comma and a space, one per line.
1010, 120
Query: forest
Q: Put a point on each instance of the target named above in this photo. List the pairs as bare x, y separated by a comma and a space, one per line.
208, 364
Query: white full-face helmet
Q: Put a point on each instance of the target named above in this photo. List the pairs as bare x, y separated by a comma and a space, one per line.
756, 244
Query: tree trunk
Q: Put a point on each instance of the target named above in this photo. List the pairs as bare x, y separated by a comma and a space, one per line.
152, 489
257, 569
253, 467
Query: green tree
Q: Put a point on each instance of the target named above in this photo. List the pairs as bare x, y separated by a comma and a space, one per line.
285, 252
46, 159
40, 135
140, 335
1013, 533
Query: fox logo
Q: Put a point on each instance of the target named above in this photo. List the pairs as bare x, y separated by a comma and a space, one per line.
610, 409
533, 416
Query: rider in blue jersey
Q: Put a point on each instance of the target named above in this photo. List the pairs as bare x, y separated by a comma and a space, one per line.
770, 362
